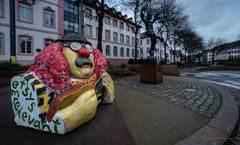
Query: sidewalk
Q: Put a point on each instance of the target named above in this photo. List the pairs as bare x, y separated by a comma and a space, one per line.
179, 110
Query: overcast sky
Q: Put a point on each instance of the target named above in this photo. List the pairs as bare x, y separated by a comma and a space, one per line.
214, 18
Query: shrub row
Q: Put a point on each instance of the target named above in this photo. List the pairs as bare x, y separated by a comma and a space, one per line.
141, 61
7, 66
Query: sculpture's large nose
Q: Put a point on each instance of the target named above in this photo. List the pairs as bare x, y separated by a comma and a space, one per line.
83, 52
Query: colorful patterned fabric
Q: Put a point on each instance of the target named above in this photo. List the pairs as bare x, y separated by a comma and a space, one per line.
92, 80
51, 67
99, 62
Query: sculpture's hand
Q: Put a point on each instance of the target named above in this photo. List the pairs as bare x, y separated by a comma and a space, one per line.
80, 111
109, 88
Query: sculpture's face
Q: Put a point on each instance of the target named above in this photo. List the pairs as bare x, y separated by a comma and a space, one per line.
80, 59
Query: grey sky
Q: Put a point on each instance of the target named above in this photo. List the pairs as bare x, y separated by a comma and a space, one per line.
214, 18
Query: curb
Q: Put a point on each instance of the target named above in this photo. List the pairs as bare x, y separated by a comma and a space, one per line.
218, 130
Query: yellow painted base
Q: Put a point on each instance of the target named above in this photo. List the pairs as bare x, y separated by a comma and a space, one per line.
13, 59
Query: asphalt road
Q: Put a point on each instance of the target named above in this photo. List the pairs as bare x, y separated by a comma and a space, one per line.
230, 79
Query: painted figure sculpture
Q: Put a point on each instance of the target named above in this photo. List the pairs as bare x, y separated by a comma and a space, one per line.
63, 86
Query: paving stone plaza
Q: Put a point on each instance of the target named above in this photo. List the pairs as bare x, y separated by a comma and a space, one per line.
191, 94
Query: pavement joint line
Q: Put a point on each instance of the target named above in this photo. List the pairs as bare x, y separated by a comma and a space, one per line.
223, 84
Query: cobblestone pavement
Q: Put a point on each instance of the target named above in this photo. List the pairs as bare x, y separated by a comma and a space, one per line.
194, 95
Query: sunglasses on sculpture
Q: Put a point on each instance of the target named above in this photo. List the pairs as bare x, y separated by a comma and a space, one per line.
76, 46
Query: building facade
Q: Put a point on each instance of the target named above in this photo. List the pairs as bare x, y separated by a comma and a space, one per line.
224, 52
37, 25
40, 22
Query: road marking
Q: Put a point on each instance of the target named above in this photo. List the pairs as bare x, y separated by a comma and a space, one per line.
232, 82
223, 84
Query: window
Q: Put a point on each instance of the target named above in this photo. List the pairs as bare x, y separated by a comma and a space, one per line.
133, 41
128, 28
1, 8
147, 50
107, 20
71, 8
132, 30
128, 52
115, 51
141, 51
115, 24
71, 17
140, 42
122, 25
48, 42
122, 52
88, 13
71, 26
48, 18
107, 35
66, 25
148, 41
88, 31
25, 13
75, 9
25, 44
121, 38
133, 53
137, 42
76, 28
115, 37
66, 6
1, 43
127, 39
108, 53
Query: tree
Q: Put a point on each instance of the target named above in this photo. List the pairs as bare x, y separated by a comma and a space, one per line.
134, 6
212, 45
101, 9
170, 19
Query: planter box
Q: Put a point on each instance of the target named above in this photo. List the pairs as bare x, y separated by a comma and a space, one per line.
169, 70
149, 73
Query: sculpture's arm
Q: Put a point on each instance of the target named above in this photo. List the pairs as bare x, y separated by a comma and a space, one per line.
143, 16
108, 86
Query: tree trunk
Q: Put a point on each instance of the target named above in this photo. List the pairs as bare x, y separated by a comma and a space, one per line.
135, 45
100, 24
135, 32
174, 51
165, 54
213, 55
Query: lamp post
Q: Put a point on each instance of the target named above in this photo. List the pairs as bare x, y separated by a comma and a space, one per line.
13, 58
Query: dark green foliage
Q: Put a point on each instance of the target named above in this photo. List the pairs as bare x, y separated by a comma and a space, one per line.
232, 63
142, 61
118, 71
7, 66
123, 65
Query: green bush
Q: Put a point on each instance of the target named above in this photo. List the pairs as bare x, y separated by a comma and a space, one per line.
7, 66
232, 63
118, 71
123, 65
142, 61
